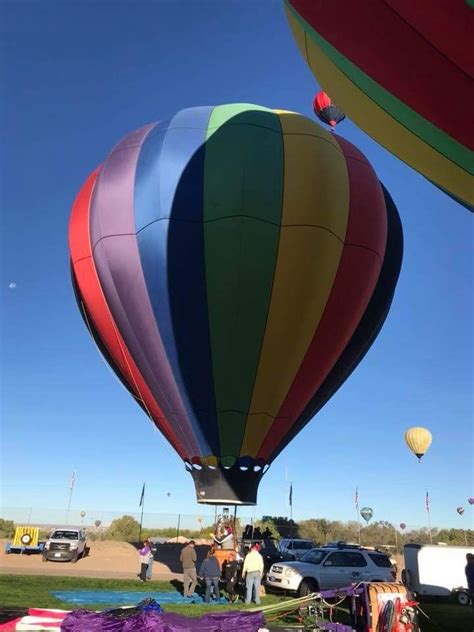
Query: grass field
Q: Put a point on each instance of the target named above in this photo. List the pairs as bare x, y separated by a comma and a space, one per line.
33, 591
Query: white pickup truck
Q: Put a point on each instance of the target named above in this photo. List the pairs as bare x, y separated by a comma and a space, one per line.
66, 544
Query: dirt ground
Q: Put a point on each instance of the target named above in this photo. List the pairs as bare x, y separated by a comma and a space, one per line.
117, 560
114, 560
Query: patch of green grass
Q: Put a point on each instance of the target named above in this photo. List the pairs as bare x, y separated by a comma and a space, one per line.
33, 591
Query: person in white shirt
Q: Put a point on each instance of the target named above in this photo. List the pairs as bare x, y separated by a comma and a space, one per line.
253, 572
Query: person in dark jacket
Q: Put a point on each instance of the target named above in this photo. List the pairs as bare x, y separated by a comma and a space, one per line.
469, 570
210, 571
231, 576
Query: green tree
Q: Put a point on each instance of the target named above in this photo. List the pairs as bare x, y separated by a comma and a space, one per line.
7, 528
125, 528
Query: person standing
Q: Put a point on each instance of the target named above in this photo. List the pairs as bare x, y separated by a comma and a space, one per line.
144, 556
469, 571
188, 560
151, 559
231, 576
253, 572
210, 571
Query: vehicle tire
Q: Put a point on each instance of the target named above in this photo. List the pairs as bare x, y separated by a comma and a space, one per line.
45, 559
307, 587
74, 559
462, 597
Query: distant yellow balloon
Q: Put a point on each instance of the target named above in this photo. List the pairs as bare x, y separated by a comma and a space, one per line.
418, 439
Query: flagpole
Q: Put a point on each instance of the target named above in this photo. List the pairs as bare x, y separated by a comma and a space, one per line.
429, 517
142, 504
356, 501
71, 489
291, 511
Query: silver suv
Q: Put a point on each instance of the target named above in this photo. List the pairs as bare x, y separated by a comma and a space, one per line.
295, 546
66, 544
330, 567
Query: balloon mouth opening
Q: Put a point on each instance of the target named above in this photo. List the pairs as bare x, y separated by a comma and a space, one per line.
226, 482
419, 455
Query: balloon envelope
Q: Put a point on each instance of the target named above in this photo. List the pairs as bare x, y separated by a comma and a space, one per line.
327, 111
418, 439
460, 510
470, 501
98, 523
402, 525
366, 513
82, 514
403, 75
233, 264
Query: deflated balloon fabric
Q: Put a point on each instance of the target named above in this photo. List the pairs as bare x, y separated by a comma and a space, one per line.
85, 621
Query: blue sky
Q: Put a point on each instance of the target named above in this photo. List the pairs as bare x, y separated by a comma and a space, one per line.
76, 77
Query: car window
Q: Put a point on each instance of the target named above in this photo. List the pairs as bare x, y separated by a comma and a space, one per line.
313, 557
339, 558
65, 535
355, 559
304, 545
380, 560
289, 545
336, 559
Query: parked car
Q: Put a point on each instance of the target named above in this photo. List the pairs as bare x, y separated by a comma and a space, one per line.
269, 551
65, 544
296, 546
327, 567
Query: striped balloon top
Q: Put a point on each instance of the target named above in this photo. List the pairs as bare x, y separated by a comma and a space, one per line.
223, 261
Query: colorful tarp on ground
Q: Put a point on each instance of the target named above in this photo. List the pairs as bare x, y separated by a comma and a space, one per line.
84, 597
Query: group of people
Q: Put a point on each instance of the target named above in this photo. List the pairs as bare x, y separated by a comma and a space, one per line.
233, 570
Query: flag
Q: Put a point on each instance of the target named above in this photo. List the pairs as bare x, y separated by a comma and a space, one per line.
427, 501
356, 499
291, 495
73, 480
142, 497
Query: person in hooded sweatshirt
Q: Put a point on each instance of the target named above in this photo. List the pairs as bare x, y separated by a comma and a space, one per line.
210, 571
144, 554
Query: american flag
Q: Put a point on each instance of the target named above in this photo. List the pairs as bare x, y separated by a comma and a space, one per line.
36, 619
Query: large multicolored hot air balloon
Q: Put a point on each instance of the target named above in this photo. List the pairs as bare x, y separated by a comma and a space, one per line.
234, 264
327, 111
403, 72
418, 439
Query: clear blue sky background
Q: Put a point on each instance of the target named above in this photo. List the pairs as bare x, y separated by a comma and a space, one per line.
76, 77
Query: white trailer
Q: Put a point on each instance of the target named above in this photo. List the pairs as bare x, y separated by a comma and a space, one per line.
436, 570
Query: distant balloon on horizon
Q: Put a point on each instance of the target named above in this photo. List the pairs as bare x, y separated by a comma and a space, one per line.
470, 501
460, 510
402, 526
367, 513
12, 286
